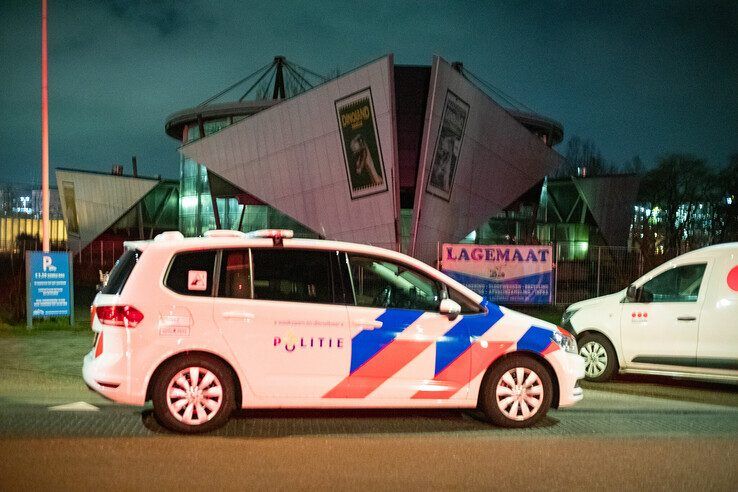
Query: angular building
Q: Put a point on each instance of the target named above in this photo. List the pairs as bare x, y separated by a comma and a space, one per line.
403, 157
103, 208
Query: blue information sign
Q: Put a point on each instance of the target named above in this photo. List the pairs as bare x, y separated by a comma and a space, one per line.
49, 284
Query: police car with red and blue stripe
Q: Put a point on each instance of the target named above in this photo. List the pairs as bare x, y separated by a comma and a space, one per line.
202, 326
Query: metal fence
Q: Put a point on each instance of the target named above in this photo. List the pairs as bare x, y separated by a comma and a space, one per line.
598, 271
601, 270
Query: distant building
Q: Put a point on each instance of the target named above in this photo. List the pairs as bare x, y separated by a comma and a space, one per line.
20, 218
24, 201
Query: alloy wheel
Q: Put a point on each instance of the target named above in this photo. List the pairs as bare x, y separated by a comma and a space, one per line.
194, 395
519, 393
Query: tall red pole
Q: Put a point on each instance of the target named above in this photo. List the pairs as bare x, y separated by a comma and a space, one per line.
44, 132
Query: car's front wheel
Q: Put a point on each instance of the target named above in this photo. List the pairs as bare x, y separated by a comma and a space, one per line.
600, 360
193, 394
517, 392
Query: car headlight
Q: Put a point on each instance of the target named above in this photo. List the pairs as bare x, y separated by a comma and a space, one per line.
566, 341
566, 318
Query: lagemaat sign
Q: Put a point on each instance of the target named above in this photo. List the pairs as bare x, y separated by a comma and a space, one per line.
49, 285
506, 274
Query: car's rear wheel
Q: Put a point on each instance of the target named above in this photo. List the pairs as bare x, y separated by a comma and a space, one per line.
600, 360
517, 392
193, 394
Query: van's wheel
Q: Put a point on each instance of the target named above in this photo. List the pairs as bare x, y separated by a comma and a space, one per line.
193, 394
517, 392
600, 359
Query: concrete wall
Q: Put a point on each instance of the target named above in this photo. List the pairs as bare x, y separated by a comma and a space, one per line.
297, 157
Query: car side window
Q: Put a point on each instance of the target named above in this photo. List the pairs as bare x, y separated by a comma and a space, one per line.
191, 273
293, 275
235, 274
680, 284
381, 283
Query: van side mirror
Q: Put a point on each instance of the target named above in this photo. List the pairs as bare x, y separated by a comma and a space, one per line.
638, 294
450, 308
631, 295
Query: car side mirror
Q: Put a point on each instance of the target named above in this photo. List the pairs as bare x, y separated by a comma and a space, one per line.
450, 308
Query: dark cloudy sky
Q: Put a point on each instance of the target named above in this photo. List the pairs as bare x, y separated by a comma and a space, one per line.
635, 79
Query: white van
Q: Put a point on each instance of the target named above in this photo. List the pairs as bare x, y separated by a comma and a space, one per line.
680, 319
202, 326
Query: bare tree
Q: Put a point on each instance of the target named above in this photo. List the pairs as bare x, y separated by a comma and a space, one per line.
680, 187
582, 158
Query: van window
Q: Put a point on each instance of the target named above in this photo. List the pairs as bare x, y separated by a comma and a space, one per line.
680, 284
118, 276
293, 275
381, 283
191, 273
235, 274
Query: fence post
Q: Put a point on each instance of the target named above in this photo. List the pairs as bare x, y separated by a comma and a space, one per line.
556, 273
599, 264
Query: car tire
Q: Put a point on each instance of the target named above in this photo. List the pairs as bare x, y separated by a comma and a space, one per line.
183, 407
600, 359
517, 392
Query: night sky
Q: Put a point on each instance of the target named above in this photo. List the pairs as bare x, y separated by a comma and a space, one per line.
635, 79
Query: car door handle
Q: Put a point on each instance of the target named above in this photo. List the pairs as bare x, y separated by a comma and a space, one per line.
686, 318
369, 324
238, 315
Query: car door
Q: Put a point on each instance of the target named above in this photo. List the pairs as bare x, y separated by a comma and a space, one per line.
394, 325
662, 326
282, 315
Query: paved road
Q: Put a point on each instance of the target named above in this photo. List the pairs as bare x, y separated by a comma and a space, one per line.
652, 434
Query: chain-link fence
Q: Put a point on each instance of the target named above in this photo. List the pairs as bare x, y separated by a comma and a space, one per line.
598, 271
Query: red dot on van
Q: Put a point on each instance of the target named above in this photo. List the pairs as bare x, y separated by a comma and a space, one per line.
633, 315
733, 278
645, 315
639, 315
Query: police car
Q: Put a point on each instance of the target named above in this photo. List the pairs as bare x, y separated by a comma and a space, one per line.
202, 326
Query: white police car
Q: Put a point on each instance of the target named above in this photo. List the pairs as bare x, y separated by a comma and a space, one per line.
202, 326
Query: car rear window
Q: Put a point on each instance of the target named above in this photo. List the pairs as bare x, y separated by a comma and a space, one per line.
118, 276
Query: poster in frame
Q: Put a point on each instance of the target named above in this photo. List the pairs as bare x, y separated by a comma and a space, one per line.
362, 151
448, 146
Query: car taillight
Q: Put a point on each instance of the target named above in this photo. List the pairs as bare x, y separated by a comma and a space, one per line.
127, 316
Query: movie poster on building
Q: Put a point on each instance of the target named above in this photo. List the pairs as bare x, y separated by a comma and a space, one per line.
504, 274
448, 146
361, 148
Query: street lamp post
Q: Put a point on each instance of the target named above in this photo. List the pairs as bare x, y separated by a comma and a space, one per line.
44, 133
